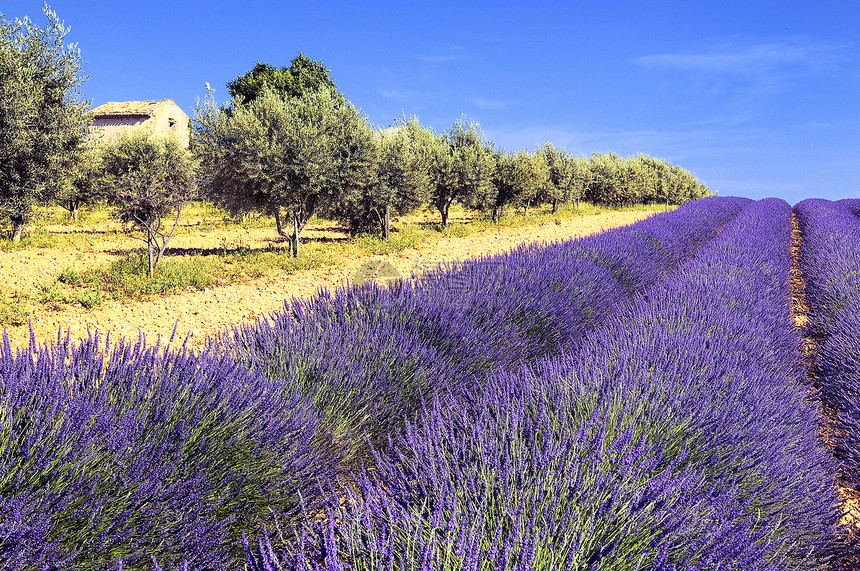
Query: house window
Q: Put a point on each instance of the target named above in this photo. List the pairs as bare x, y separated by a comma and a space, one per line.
172, 123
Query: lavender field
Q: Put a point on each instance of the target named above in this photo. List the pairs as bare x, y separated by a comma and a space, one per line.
638, 399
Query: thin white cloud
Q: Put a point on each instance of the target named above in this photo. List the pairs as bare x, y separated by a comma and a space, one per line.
677, 146
742, 57
395, 94
736, 118
443, 58
819, 125
449, 53
680, 145
760, 188
489, 103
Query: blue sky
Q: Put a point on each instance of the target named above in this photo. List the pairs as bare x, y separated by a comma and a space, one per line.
756, 99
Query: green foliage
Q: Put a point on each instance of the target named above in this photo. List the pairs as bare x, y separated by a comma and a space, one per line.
406, 237
129, 278
85, 184
15, 308
530, 178
43, 118
272, 155
303, 76
500, 191
151, 178
580, 179
462, 166
641, 179
606, 177
401, 183
519, 180
56, 296
560, 167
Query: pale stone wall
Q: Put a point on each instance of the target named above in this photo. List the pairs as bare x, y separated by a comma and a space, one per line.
167, 119
172, 121
109, 129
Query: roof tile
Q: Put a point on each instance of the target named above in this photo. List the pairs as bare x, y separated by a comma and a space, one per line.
129, 108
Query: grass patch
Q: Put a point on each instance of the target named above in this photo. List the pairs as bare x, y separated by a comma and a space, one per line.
34, 237
95, 225
15, 308
235, 262
128, 278
401, 238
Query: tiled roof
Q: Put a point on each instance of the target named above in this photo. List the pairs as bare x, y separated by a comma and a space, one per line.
392, 130
130, 108
389, 132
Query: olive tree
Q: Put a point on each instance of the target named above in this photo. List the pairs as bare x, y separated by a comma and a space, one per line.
401, 183
606, 175
151, 180
530, 174
43, 119
277, 155
560, 167
500, 191
580, 179
518, 179
462, 166
84, 184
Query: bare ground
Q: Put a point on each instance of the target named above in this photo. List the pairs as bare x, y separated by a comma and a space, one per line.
199, 314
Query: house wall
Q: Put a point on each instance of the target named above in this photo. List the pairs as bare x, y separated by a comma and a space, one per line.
111, 128
172, 121
168, 120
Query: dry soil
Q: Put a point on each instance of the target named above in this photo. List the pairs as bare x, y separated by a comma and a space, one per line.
198, 314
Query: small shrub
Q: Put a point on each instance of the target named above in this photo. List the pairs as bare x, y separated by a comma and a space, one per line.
70, 276
456, 230
232, 245
90, 299
50, 294
15, 309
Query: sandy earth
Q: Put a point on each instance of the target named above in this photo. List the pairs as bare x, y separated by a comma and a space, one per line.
204, 313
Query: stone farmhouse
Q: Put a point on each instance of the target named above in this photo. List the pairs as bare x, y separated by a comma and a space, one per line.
390, 131
162, 117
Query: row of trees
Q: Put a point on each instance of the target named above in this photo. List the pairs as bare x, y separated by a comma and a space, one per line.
288, 145
316, 154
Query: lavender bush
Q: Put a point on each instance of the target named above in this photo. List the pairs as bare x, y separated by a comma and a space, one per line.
136, 455
852, 204
678, 436
140, 451
368, 357
831, 263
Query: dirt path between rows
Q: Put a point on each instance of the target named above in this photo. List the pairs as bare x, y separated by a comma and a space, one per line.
800, 309
199, 314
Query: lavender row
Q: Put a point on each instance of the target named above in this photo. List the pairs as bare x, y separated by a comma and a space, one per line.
369, 357
144, 452
830, 263
151, 452
677, 437
852, 204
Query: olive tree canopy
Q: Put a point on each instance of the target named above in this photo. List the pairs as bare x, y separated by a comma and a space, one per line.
151, 179
462, 166
43, 120
401, 183
276, 155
